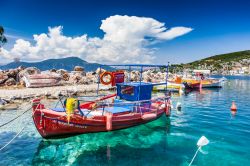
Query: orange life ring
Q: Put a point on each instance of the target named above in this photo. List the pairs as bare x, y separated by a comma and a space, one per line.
106, 74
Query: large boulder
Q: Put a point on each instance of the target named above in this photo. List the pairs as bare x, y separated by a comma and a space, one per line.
3, 77
73, 79
12, 73
135, 76
3, 102
20, 68
91, 78
10, 81
52, 70
79, 73
126, 78
61, 71
65, 76
147, 78
78, 68
29, 71
84, 80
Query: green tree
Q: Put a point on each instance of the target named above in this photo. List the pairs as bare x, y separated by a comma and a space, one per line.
3, 39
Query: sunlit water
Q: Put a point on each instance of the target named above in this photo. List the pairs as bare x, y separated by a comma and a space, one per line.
162, 142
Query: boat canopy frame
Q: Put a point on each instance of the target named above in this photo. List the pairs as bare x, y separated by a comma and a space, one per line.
129, 68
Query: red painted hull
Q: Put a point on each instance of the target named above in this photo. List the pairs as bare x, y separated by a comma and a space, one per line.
51, 124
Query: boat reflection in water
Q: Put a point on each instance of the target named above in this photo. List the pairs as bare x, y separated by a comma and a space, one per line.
102, 148
233, 113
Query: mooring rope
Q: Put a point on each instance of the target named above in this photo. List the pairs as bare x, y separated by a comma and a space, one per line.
12, 139
15, 118
18, 132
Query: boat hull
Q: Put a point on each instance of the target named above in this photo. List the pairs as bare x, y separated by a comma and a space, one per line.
51, 124
191, 85
171, 86
212, 85
206, 84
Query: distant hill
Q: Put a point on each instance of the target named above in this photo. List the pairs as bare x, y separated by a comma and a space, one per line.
63, 63
223, 58
217, 62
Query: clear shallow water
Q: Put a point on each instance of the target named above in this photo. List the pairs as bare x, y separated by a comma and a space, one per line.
162, 142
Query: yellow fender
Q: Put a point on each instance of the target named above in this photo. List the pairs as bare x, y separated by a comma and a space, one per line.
71, 105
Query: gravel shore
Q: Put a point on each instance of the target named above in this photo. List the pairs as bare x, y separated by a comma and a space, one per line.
48, 91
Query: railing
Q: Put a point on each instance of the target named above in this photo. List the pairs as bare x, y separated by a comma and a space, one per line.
141, 106
136, 106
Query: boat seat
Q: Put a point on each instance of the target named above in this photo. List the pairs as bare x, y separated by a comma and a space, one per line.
92, 113
117, 103
58, 109
116, 109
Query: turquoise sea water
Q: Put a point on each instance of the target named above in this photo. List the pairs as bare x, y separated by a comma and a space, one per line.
162, 142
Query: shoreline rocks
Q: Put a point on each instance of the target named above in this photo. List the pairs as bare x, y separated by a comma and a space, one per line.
32, 77
3, 78
49, 84
10, 82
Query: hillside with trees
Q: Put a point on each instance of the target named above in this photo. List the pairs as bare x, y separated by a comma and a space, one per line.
230, 63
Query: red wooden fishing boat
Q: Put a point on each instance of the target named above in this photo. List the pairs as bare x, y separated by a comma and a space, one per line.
132, 105
53, 122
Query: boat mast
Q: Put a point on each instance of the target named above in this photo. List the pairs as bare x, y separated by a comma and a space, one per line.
141, 71
167, 66
98, 80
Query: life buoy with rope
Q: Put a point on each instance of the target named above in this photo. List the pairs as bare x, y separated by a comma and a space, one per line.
103, 75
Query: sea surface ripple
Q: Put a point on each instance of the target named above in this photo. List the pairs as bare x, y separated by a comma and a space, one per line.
166, 141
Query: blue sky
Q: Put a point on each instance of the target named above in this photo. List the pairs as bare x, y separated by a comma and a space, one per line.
218, 26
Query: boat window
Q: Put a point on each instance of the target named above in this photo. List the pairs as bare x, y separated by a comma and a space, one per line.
128, 90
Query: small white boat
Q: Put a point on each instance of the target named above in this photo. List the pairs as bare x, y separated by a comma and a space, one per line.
41, 80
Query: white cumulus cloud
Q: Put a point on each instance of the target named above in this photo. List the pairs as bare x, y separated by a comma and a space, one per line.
127, 39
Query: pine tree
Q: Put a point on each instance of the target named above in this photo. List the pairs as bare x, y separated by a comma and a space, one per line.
3, 39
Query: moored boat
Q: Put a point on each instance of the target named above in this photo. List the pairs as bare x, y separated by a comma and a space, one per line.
54, 123
207, 83
41, 80
201, 79
171, 86
132, 105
